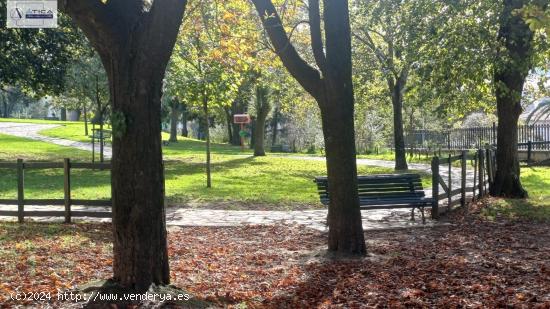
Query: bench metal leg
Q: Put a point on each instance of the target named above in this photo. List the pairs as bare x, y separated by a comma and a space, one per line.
412, 214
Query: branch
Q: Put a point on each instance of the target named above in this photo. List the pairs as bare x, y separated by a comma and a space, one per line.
316, 38
305, 74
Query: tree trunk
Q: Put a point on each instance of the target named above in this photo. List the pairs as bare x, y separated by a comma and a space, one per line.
184, 130
337, 111
344, 216
229, 123
332, 87
4, 105
396, 87
513, 65
174, 122
252, 126
63, 114
135, 40
207, 133
85, 120
274, 125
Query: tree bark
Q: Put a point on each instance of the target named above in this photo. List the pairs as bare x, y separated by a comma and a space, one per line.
397, 86
513, 63
332, 87
174, 117
135, 40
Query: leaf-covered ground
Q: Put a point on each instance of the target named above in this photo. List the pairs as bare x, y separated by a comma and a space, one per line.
473, 263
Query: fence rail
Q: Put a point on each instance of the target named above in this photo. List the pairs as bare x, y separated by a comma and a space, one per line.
483, 162
67, 201
478, 137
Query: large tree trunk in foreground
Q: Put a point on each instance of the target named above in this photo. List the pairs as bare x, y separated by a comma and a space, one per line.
334, 94
135, 40
511, 69
174, 118
397, 87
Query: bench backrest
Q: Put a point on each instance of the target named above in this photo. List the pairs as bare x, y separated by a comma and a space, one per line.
379, 186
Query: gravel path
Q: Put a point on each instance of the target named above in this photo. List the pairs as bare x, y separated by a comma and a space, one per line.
372, 219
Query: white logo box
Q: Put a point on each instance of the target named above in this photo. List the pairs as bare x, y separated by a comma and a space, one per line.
31, 14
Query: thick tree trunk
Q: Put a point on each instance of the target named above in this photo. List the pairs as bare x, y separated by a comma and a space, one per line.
513, 65
344, 216
135, 40
174, 118
332, 87
396, 89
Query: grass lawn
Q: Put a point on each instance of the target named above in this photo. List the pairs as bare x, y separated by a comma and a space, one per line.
239, 181
537, 207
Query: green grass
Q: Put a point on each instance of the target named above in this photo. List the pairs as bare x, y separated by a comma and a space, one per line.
237, 178
537, 207
16, 147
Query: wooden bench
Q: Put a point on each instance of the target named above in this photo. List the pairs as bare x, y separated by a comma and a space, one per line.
385, 192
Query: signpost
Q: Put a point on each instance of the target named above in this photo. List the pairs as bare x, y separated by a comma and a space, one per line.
241, 119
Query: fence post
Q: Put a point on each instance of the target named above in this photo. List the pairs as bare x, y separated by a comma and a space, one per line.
463, 179
475, 176
20, 191
481, 164
435, 187
67, 189
529, 150
450, 185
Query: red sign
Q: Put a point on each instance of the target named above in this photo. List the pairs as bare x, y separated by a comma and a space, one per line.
241, 118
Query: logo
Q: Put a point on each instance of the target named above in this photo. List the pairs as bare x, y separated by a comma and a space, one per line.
31, 14
16, 14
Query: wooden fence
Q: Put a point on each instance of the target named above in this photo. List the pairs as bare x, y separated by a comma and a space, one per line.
67, 201
484, 168
477, 137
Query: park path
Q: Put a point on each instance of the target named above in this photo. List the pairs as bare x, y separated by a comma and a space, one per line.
32, 131
176, 216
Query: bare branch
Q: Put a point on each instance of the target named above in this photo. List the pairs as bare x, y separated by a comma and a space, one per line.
306, 75
316, 38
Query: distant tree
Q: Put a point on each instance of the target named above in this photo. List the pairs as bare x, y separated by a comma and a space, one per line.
262, 107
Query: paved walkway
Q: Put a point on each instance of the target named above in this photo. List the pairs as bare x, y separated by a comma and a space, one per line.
372, 219
315, 219
31, 131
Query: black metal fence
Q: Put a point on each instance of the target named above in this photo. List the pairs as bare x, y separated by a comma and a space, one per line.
478, 137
